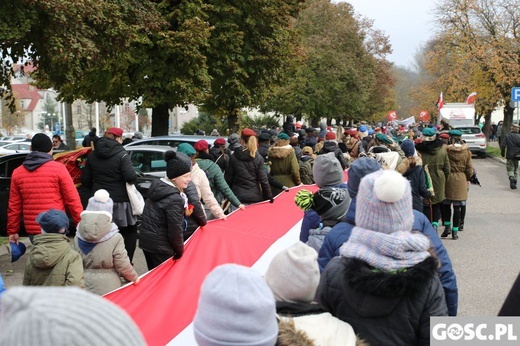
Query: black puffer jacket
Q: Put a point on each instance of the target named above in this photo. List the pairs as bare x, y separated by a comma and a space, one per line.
247, 177
163, 223
109, 167
198, 217
332, 147
383, 308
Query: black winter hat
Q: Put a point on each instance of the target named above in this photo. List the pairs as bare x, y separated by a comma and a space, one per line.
175, 167
41, 142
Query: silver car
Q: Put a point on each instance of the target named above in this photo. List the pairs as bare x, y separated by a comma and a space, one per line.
475, 138
148, 160
172, 141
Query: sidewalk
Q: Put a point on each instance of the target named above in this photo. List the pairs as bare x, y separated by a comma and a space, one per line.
498, 159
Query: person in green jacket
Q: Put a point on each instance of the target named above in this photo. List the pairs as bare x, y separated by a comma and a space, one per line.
218, 184
52, 261
435, 160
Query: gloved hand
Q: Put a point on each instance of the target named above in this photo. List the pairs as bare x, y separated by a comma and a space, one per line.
285, 188
271, 200
177, 256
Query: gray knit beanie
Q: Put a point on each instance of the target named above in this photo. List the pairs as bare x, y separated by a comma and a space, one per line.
294, 274
101, 201
327, 170
236, 307
384, 202
68, 316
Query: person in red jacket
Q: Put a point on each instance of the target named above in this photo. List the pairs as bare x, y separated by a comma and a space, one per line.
40, 184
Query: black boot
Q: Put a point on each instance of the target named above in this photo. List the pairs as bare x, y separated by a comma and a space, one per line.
512, 183
454, 235
461, 227
447, 232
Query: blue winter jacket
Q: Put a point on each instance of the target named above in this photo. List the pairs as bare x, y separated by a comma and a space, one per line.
340, 233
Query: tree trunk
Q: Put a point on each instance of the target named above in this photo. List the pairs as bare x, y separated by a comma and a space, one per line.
70, 132
233, 121
160, 117
508, 120
487, 126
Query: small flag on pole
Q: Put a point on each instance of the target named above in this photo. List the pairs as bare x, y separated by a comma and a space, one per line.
440, 102
471, 98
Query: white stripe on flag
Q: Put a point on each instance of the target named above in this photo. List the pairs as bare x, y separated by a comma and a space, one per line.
186, 337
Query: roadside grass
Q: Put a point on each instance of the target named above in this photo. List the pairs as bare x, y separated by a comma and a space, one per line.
4, 240
493, 151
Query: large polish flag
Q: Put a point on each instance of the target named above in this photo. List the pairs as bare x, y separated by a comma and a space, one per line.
164, 303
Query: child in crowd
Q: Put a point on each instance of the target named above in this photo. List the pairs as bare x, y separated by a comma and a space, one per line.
102, 247
62, 316
235, 308
293, 276
385, 282
52, 261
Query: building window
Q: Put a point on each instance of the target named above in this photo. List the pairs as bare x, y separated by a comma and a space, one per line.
78, 110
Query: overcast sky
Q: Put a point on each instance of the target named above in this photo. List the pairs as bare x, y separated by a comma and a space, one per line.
408, 23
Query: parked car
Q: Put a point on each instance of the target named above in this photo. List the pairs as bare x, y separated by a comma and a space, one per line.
148, 160
16, 147
475, 139
172, 141
9, 163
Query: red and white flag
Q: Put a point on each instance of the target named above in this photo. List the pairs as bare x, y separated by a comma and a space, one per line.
165, 301
440, 102
424, 116
391, 116
471, 98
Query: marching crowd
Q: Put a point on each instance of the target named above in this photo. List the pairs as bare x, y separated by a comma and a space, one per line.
369, 269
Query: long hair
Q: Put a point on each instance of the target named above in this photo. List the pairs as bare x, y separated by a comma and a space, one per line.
252, 145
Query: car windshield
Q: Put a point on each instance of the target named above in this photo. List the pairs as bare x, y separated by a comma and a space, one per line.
469, 130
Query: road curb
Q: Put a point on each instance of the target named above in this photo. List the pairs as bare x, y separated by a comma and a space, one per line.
5, 249
498, 159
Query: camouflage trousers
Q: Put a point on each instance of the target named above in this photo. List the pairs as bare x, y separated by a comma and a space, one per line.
512, 168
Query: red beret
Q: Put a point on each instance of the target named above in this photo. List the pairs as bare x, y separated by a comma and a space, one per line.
220, 141
330, 135
248, 133
116, 131
444, 135
201, 145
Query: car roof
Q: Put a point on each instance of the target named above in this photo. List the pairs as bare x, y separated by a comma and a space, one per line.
150, 148
192, 139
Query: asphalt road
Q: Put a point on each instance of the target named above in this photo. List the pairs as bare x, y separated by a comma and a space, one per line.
486, 258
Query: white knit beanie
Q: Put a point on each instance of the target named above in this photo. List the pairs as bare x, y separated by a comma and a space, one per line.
236, 307
55, 316
294, 274
384, 202
101, 201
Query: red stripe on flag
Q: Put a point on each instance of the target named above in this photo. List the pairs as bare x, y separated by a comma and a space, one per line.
165, 301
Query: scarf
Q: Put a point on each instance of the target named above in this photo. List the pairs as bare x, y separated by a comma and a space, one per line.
394, 251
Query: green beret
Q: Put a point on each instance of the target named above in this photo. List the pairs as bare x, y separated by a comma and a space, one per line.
455, 133
283, 135
187, 149
428, 132
383, 138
